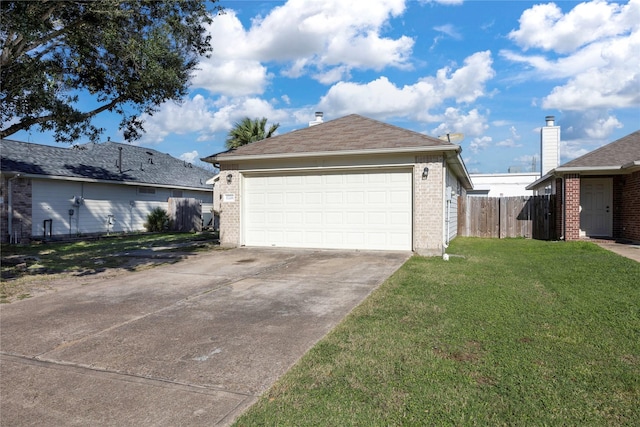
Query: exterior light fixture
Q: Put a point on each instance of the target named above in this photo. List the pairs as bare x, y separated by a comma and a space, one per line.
425, 173
229, 178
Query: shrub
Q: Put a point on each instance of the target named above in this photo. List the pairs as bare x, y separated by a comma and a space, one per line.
157, 220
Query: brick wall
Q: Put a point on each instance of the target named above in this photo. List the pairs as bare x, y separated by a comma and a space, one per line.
572, 206
230, 211
428, 206
630, 218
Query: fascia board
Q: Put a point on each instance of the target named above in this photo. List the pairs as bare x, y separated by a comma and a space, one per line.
581, 169
416, 150
542, 180
105, 181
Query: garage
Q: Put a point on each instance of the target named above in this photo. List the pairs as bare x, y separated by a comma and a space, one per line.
355, 209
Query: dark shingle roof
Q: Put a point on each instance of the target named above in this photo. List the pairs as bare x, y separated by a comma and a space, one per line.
615, 154
100, 162
349, 133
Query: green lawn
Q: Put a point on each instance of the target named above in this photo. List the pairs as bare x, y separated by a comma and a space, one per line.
511, 332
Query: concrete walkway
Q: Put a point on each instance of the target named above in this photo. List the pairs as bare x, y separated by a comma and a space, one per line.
629, 250
191, 344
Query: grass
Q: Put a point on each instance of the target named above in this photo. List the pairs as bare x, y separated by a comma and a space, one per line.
22, 263
515, 332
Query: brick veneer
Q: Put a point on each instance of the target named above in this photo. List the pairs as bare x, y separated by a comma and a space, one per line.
572, 207
428, 206
230, 211
630, 217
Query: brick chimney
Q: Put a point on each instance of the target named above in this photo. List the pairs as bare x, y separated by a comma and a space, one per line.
549, 145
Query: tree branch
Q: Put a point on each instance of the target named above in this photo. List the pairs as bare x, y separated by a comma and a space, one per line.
26, 124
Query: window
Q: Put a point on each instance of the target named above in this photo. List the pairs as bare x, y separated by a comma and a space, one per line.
146, 190
176, 193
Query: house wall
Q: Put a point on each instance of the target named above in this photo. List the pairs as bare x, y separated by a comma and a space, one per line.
429, 206
230, 205
428, 195
51, 200
630, 206
503, 184
451, 204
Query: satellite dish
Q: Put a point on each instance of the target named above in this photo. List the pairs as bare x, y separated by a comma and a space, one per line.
452, 137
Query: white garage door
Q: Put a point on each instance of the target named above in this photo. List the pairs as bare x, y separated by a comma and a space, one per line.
341, 210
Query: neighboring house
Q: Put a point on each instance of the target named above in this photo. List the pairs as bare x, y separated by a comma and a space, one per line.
90, 188
502, 184
349, 183
598, 194
517, 184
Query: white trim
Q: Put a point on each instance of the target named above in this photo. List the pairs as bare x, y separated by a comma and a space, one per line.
232, 159
271, 171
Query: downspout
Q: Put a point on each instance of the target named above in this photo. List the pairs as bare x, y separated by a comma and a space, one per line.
10, 206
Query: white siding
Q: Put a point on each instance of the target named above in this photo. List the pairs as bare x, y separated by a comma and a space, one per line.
51, 199
451, 204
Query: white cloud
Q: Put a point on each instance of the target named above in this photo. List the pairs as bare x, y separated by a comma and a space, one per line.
449, 30
455, 121
478, 144
599, 44
192, 115
615, 84
206, 117
382, 99
545, 26
231, 77
324, 39
190, 157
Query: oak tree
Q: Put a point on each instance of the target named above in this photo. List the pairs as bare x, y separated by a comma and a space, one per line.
64, 62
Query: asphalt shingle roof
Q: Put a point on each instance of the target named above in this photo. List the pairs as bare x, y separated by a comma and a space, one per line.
617, 153
99, 161
349, 133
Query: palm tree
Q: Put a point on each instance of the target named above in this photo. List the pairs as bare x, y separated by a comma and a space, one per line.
247, 131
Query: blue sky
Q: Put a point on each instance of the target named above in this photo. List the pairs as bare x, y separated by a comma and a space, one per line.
491, 70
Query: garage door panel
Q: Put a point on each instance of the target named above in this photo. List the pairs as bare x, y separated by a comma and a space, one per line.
294, 218
335, 218
377, 218
347, 210
313, 198
294, 198
355, 196
313, 218
334, 198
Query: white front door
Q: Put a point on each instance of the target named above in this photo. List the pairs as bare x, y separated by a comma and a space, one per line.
334, 210
596, 216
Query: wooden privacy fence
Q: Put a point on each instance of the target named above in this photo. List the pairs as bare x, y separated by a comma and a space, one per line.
185, 213
502, 217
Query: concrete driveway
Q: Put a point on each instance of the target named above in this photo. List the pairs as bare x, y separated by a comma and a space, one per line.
193, 343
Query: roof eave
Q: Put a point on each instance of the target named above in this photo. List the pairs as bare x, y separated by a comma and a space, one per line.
404, 150
106, 181
541, 180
